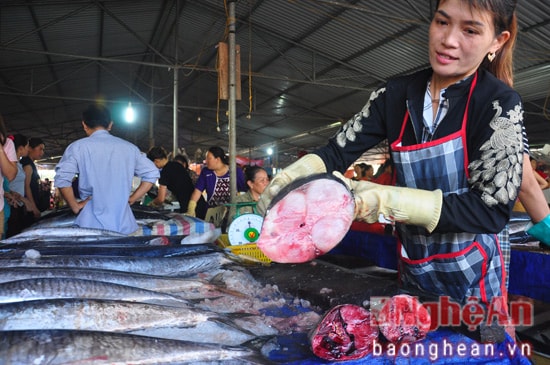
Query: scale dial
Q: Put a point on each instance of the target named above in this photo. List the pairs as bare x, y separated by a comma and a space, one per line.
245, 229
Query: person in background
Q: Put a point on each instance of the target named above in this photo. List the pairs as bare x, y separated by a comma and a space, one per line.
363, 171
8, 168
257, 180
105, 165
7, 207
202, 206
173, 177
32, 179
214, 178
21, 206
384, 175
181, 159
540, 169
540, 179
448, 127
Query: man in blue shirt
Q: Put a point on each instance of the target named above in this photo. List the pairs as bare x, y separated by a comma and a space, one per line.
106, 166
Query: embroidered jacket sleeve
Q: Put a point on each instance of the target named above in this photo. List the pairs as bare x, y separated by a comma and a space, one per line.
494, 145
495, 148
360, 133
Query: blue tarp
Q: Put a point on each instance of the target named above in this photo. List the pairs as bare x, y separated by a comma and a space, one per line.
528, 269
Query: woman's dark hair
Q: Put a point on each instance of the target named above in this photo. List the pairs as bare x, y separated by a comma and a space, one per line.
35, 142
251, 171
218, 152
182, 159
20, 140
504, 19
364, 168
156, 152
96, 116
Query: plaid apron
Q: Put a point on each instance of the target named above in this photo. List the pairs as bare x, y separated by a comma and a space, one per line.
458, 265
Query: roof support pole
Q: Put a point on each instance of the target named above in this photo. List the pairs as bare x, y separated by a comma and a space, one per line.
176, 82
232, 101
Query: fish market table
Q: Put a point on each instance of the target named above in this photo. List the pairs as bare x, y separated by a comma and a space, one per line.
326, 285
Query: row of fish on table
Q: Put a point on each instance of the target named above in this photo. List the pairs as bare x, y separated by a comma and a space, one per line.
83, 296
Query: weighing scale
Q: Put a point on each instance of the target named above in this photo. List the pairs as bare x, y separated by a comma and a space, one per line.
245, 228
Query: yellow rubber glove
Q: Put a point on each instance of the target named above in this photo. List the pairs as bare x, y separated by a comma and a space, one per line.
410, 206
191, 206
308, 165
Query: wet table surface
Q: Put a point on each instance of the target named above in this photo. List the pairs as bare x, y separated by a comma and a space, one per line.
331, 281
342, 279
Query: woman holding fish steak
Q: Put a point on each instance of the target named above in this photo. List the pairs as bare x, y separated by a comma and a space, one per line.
455, 137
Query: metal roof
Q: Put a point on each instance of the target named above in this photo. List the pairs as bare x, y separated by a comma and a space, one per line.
306, 66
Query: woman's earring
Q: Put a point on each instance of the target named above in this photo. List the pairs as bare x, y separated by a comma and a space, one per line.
491, 56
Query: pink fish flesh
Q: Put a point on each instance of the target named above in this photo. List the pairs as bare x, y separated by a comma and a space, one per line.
306, 220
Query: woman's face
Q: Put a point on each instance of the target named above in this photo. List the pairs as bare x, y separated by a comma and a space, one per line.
261, 180
36, 153
212, 162
460, 39
23, 151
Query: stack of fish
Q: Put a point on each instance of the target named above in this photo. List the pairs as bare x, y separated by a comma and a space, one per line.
72, 295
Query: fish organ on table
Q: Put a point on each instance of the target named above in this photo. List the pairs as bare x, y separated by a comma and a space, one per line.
346, 332
306, 219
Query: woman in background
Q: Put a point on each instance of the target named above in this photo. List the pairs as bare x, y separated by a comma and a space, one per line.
8, 158
20, 206
257, 180
214, 179
32, 179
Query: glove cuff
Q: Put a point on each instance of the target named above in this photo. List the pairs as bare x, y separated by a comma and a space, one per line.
541, 231
191, 206
435, 204
313, 164
418, 207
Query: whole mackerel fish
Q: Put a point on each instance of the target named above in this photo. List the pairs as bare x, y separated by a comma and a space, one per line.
189, 288
98, 315
56, 347
68, 233
164, 266
152, 320
58, 288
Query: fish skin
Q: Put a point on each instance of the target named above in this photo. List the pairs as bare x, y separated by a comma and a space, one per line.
191, 288
107, 250
56, 288
153, 320
166, 266
57, 232
56, 347
98, 315
95, 241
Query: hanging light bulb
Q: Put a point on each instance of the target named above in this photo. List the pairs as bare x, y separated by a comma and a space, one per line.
130, 114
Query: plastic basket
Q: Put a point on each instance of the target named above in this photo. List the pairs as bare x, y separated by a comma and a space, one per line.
250, 250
